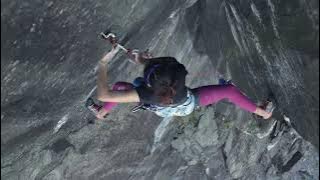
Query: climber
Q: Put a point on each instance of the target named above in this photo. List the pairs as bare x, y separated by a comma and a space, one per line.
162, 89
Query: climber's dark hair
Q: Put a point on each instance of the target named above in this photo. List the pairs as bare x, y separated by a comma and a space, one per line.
164, 79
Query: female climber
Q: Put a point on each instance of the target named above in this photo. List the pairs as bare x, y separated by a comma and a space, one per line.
162, 89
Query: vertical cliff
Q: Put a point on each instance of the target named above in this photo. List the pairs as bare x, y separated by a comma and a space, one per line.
49, 53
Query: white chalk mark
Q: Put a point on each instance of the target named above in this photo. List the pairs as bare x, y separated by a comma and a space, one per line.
233, 30
62, 121
270, 146
256, 13
287, 119
263, 135
207, 171
273, 18
91, 92
160, 132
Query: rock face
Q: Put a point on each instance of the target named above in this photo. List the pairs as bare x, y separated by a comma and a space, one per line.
49, 52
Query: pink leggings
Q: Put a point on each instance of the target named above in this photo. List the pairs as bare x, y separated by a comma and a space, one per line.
213, 93
206, 95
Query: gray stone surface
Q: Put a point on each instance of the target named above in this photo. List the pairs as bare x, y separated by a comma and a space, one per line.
49, 53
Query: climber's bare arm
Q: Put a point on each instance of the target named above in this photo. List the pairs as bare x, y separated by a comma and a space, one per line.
120, 96
104, 94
